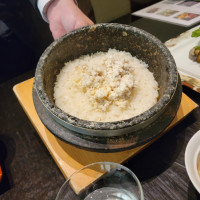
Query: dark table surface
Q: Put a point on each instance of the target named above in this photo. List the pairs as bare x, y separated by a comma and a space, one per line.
31, 173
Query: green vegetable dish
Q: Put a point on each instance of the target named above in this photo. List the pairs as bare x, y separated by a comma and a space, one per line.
194, 53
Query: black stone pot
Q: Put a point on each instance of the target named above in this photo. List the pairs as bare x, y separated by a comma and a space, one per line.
117, 135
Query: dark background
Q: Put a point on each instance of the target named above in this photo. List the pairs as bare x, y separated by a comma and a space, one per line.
24, 40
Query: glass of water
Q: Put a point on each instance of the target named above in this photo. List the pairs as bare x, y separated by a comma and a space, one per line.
102, 181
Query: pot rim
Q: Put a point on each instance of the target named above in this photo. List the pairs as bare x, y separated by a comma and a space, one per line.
74, 121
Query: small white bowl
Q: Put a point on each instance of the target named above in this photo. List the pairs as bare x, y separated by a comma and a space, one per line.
192, 153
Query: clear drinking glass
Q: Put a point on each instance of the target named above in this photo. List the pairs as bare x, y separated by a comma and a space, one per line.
102, 181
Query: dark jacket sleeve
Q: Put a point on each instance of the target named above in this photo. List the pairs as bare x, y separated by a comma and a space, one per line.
34, 3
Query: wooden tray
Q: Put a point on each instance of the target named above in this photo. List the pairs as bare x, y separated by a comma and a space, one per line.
70, 158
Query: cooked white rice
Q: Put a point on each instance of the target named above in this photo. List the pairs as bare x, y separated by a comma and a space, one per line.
105, 86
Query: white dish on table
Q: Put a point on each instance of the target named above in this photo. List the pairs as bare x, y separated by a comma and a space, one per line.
189, 70
192, 159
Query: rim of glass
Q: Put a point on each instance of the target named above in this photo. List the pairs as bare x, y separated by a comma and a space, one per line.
110, 163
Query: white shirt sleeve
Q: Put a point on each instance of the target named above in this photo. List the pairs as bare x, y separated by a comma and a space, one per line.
42, 7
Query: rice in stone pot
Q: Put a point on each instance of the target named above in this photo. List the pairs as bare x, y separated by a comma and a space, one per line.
105, 86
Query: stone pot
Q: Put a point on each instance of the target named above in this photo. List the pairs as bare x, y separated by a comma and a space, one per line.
131, 132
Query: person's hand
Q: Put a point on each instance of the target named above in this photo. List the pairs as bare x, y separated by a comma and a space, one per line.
64, 16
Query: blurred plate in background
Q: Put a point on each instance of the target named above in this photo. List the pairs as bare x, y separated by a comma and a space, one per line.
189, 70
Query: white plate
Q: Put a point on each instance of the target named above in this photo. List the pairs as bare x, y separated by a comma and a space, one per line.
188, 69
191, 155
